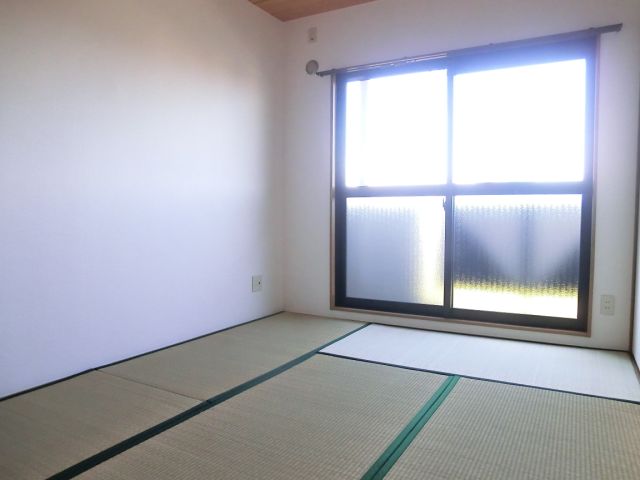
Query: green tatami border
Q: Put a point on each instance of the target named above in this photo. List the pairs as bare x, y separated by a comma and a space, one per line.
395, 450
482, 379
145, 435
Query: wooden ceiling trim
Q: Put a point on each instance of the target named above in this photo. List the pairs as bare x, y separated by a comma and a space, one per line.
292, 9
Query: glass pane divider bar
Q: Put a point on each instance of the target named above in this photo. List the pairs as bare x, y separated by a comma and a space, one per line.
475, 189
449, 199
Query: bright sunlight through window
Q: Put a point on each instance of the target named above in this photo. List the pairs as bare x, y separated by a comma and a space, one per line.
522, 124
478, 187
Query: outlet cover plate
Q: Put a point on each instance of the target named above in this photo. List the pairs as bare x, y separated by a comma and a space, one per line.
256, 283
607, 304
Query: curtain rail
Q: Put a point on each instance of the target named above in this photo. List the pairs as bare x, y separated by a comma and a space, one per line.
590, 32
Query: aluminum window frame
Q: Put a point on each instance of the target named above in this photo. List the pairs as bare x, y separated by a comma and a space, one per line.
470, 60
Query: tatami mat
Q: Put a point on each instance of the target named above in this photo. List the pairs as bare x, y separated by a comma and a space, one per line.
326, 418
211, 365
581, 370
48, 430
493, 431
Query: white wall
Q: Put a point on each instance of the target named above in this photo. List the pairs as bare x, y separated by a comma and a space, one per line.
387, 29
635, 340
140, 166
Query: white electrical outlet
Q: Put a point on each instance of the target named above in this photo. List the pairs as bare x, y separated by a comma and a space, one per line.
256, 283
607, 304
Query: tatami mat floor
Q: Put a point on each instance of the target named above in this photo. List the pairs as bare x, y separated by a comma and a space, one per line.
327, 418
259, 401
581, 370
48, 430
505, 432
51, 429
211, 365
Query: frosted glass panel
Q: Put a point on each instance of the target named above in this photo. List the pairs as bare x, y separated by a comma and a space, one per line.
517, 254
395, 249
396, 130
520, 124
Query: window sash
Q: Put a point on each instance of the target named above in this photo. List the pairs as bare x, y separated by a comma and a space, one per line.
584, 49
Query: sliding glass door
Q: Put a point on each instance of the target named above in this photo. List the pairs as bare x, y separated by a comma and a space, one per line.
463, 187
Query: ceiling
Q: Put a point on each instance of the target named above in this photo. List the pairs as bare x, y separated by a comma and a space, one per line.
292, 9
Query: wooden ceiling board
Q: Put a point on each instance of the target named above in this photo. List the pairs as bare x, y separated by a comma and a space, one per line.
291, 9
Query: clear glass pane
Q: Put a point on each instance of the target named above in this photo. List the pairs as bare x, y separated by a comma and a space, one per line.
517, 254
521, 124
396, 130
395, 249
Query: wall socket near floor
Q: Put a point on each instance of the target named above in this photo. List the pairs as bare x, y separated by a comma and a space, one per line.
607, 304
256, 283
